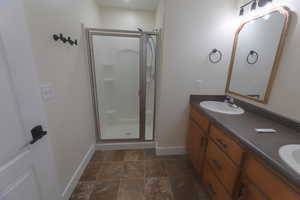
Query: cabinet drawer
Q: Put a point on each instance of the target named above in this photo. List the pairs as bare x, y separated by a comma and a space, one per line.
248, 191
214, 188
201, 120
223, 167
267, 181
231, 148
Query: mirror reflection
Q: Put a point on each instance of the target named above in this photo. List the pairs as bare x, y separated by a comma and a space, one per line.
256, 56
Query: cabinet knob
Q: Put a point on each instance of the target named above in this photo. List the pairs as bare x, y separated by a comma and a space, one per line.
222, 143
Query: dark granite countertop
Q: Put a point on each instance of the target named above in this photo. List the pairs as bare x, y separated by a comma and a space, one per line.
265, 146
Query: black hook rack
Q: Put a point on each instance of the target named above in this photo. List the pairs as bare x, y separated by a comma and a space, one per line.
62, 38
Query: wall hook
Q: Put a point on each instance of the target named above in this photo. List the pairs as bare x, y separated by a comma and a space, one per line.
55, 37
70, 41
62, 38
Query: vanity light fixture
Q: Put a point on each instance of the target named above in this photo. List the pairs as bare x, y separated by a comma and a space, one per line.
253, 5
266, 17
241, 11
262, 3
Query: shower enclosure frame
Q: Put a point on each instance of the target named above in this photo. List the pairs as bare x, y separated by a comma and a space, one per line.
90, 32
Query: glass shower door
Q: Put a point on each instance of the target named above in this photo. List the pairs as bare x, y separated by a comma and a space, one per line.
150, 52
117, 81
123, 73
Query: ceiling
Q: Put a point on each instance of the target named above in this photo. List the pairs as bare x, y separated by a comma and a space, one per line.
149, 5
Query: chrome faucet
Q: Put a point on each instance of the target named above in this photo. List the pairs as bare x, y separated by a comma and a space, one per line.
230, 101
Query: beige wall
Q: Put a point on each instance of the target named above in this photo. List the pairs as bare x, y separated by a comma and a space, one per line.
126, 19
160, 14
192, 29
70, 114
285, 96
159, 24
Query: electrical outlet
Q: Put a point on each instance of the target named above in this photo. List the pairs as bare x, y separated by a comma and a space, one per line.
47, 92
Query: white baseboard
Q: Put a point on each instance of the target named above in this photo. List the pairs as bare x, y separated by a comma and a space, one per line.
124, 146
180, 150
77, 174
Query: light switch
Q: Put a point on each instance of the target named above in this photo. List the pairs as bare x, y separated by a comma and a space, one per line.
47, 92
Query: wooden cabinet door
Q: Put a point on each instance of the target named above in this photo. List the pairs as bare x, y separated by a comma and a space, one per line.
226, 144
189, 141
196, 146
215, 189
200, 119
249, 192
222, 165
268, 181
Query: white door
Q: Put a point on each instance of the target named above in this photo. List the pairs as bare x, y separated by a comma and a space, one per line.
27, 172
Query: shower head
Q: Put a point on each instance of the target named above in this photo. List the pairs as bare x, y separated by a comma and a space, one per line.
139, 29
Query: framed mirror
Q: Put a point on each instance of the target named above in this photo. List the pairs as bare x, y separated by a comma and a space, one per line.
256, 55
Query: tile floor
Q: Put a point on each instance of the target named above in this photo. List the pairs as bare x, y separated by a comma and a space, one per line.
138, 175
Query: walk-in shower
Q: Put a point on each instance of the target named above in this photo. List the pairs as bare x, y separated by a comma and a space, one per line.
123, 75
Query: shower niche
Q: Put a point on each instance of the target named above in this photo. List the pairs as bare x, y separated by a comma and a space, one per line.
123, 67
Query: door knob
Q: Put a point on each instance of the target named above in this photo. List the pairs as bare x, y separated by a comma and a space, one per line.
37, 133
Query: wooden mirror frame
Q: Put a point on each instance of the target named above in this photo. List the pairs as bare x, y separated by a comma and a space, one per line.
286, 13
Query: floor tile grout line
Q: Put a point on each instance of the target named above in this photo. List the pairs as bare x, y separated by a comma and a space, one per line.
144, 187
94, 186
119, 190
170, 188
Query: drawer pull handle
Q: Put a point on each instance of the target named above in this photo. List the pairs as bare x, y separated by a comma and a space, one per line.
216, 164
222, 143
211, 189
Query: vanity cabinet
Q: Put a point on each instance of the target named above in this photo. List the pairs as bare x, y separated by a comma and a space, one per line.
248, 191
196, 143
213, 186
227, 145
200, 119
227, 169
196, 140
222, 166
267, 181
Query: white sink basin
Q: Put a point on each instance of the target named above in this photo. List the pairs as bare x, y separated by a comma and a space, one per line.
221, 107
290, 154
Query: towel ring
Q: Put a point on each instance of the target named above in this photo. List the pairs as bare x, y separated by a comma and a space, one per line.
251, 54
213, 52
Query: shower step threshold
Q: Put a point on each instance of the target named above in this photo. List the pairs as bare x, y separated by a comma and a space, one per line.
124, 145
